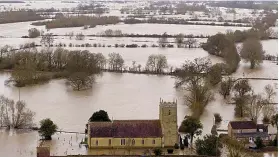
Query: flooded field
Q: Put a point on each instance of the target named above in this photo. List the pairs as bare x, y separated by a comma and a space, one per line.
123, 96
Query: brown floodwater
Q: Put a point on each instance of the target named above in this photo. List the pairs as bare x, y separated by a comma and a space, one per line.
123, 96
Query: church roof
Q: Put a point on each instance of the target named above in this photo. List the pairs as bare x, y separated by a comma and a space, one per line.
243, 125
126, 129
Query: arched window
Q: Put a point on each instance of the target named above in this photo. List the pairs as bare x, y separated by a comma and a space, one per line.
97, 142
142, 141
133, 142
153, 141
169, 112
109, 142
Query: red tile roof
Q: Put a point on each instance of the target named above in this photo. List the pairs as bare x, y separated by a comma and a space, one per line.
243, 125
126, 128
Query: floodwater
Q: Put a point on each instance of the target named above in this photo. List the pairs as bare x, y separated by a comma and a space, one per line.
123, 96
21, 29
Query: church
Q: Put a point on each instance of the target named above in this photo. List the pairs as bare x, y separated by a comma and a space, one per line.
158, 133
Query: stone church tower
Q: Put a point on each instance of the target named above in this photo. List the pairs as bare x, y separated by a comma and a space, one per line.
168, 118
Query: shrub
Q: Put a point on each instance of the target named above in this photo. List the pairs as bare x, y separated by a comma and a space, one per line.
217, 118
157, 151
33, 33
80, 36
144, 45
170, 46
170, 151
132, 46
176, 146
182, 147
259, 143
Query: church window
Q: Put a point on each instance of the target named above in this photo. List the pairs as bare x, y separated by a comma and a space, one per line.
133, 142
122, 141
109, 141
142, 141
153, 141
169, 112
97, 142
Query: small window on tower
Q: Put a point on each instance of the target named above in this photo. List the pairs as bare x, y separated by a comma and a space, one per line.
169, 112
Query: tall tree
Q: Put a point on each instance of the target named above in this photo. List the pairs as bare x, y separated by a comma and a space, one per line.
15, 115
82, 66
163, 40
274, 121
116, 62
254, 106
193, 74
268, 109
242, 87
47, 39
191, 127
179, 39
252, 51
241, 96
190, 42
226, 87
156, 63
215, 74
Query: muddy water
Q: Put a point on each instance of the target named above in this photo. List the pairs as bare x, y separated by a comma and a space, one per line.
123, 96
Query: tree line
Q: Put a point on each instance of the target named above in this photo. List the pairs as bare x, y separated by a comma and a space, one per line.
266, 5
179, 21
78, 21
19, 16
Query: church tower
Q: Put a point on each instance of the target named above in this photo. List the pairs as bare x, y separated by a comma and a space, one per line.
168, 118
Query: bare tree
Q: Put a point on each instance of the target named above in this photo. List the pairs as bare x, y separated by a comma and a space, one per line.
80, 80
4, 50
254, 107
70, 35
226, 87
252, 51
193, 74
163, 40
101, 60
156, 63
108, 32
47, 39
80, 36
191, 42
116, 62
60, 58
15, 115
268, 109
179, 39
242, 87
